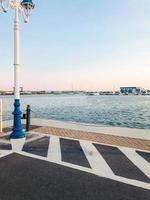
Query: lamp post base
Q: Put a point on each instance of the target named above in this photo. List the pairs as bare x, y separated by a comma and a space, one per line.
17, 131
17, 144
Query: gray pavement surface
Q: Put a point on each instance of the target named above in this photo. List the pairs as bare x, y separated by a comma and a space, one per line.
38, 147
25, 178
73, 153
28, 136
4, 146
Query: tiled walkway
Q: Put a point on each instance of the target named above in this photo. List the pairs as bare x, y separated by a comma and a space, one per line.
96, 137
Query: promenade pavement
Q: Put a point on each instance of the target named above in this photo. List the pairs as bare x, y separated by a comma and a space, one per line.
65, 164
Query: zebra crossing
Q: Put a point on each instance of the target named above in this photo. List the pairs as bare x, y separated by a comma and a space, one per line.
126, 165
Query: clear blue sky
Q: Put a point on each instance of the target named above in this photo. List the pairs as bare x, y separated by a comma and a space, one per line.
80, 44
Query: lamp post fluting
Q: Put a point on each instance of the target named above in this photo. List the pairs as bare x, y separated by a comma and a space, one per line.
25, 7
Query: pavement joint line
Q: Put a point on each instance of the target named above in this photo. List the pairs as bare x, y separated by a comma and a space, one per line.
54, 151
137, 160
95, 159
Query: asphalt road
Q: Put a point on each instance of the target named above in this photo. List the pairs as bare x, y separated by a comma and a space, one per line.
71, 152
25, 178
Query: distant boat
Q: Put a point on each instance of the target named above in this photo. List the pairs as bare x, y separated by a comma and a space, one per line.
93, 93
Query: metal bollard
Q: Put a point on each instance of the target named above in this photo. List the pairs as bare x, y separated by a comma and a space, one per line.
28, 118
1, 122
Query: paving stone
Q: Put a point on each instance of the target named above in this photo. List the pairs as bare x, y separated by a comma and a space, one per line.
97, 137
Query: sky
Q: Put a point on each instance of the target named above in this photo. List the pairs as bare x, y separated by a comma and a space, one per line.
79, 45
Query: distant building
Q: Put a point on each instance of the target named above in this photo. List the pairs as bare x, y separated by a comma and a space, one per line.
109, 93
21, 89
148, 92
106, 93
130, 90
145, 92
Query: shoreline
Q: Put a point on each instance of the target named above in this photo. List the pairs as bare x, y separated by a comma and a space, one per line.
94, 128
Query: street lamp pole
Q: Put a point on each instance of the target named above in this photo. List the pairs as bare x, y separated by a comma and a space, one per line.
17, 127
25, 8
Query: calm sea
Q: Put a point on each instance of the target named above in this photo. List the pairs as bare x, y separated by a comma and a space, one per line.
123, 111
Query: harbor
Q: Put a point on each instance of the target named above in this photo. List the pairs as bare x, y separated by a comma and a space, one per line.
74, 100
121, 91
130, 111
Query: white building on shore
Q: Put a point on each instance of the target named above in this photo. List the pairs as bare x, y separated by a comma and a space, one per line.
131, 90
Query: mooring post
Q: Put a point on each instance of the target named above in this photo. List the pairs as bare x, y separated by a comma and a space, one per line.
1, 120
28, 118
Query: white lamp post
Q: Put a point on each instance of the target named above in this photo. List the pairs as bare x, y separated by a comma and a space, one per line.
25, 7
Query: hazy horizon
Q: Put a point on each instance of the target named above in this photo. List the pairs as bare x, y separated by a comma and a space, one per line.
79, 45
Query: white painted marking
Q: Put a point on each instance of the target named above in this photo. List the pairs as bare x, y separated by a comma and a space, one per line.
116, 178
40, 134
97, 162
57, 162
70, 138
34, 132
54, 151
17, 144
34, 138
4, 153
137, 160
132, 182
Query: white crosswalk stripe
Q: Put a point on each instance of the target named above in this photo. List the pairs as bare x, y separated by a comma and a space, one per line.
96, 161
140, 162
54, 152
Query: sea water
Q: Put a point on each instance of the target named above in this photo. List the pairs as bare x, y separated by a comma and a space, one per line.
122, 111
